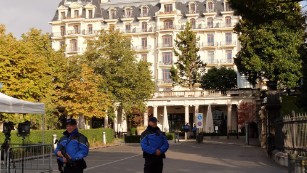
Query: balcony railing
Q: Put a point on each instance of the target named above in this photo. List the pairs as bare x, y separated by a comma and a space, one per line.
228, 43
219, 61
166, 45
141, 47
207, 93
165, 63
73, 50
204, 44
90, 32
73, 32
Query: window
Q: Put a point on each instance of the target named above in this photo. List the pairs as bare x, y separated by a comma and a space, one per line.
111, 27
112, 14
62, 44
167, 58
228, 38
211, 57
227, 6
192, 8
228, 21
144, 26
193, 23
168, 24
128, 12
76, 29
73, 45
62, 30
90, 14
144, 57
210, 6
167, 41
229, 56
63, 16
168, 8
144, 11
144, 43
128, 27
76, 13
90, 28
166, 76
210, 39
210, 22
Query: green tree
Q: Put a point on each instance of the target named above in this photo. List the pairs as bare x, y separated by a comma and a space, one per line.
221, 79
127, 80
188, 68
271, 34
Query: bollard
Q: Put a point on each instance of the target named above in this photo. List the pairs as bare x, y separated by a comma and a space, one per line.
54, 141
104, 140
291, 162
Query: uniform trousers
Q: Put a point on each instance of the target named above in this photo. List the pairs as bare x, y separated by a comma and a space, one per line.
153, 165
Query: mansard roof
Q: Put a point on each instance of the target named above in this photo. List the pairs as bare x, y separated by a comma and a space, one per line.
102, 9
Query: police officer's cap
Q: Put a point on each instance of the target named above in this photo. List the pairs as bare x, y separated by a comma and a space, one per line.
71, 122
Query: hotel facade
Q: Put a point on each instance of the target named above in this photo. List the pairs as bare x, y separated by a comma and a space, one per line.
152, 26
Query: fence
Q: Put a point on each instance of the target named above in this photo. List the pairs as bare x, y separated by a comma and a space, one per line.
26, 159
295, 140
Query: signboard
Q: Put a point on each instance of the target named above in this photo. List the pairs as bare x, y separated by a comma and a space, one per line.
199, 120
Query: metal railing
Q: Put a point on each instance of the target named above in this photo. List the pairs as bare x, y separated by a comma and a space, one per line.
26, 159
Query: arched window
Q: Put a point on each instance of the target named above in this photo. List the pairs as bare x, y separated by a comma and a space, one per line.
90, 28
76, 29
210, 6
144, 11
112, 14
128, 12
193, 23
228, 21
73, 45
192, 8
210, 22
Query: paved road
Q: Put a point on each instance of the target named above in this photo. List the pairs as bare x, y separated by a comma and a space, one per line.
209, 157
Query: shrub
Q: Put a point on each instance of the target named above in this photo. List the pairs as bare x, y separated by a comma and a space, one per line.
94, 136
133, 131
170, 136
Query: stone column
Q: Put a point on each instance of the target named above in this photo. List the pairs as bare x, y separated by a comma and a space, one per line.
186, 119
195, 113
146, 118
155, 111
124, 121
229, 113
106, 121
165, 120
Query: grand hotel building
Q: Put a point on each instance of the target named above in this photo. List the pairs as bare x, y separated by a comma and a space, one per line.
152, 26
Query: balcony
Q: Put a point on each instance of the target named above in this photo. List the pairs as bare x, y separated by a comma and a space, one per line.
166, 45
141, 48
165, 81
207, 93
58, 34
207, 44
228, 44
210, 12
90, 32
226, 61
73, 32
212, 61
73, 50
161, 63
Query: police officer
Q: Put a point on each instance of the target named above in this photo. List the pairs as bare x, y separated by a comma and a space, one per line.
71, 149
154, 145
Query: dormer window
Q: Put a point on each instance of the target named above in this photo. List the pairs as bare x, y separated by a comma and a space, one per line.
90, 14
112, 14
168, 8
192, 8
227, 6
76, 13
63, 16
210, 6
128, 12
144, 11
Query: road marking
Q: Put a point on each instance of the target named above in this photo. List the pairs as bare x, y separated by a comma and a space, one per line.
115, 161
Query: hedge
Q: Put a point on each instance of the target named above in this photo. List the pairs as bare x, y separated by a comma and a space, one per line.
94, 136
137, 138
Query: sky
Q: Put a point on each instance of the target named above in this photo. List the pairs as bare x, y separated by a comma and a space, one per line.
20, 15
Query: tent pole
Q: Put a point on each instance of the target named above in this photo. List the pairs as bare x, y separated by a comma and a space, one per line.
43, 128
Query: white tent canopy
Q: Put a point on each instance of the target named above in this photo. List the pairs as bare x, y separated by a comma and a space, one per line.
12, 105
